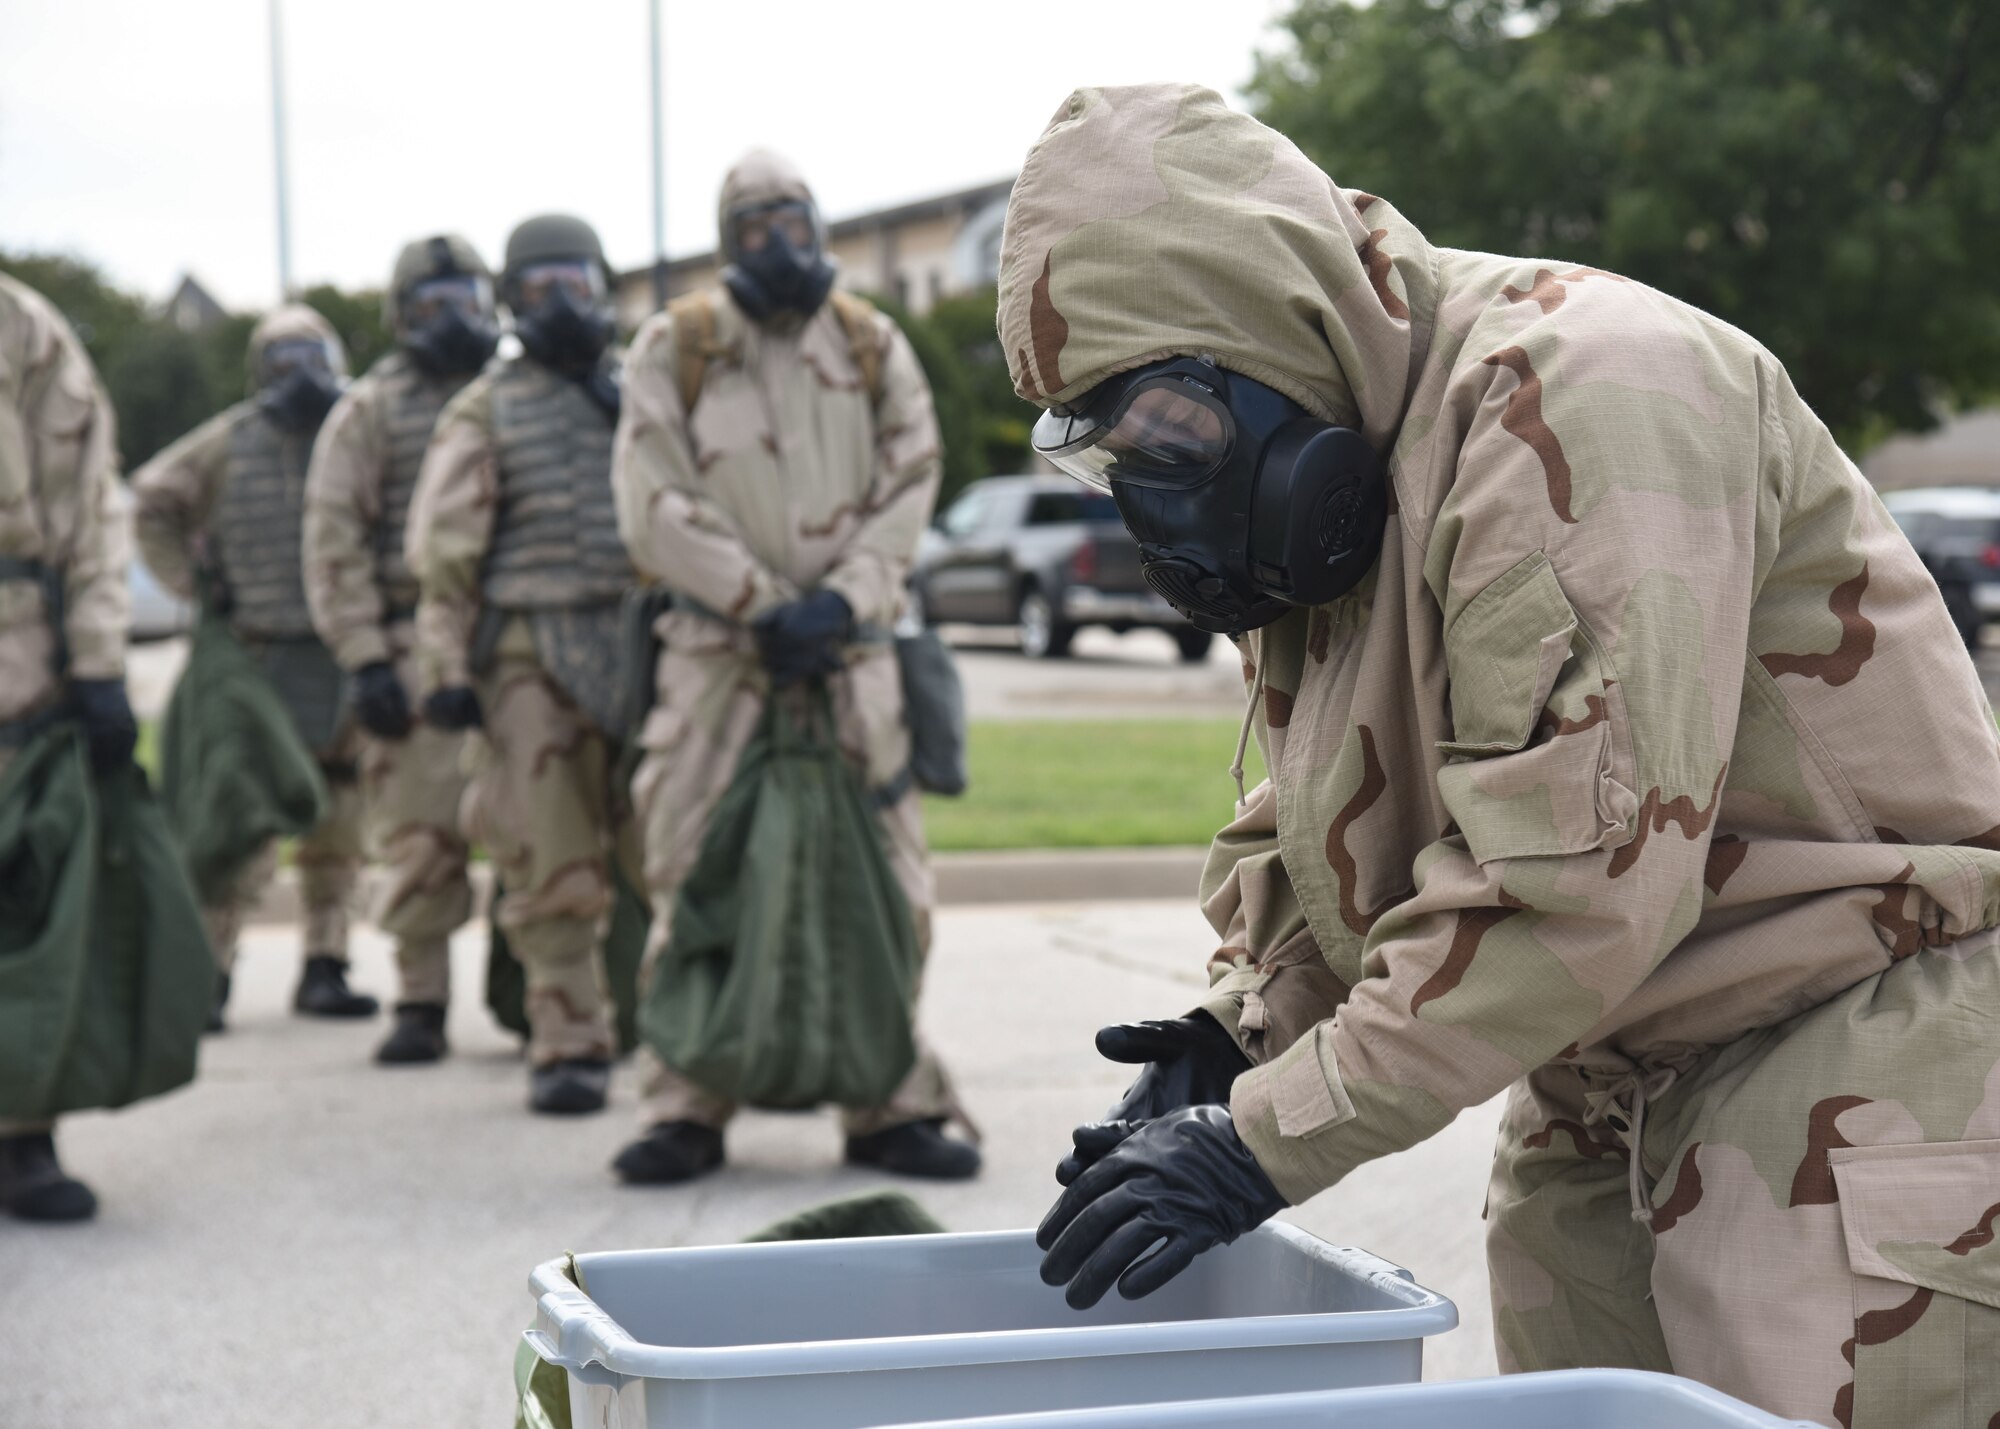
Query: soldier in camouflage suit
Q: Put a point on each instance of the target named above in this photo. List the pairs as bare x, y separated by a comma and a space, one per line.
64, 609
783, 513
364, 599
514, 542
219, 515
1644, 772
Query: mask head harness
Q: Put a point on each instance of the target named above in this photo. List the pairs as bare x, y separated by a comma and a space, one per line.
446, 319
1243, 505
777, 260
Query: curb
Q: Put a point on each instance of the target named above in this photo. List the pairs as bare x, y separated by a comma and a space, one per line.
1092, 875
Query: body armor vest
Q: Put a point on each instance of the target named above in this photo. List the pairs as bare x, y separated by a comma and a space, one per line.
555, 556
412, 400
555, 533
256, 535
256, 529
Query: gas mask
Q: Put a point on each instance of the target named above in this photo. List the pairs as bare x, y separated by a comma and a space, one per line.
1243, 505
448, 325
296, 386
777, 262
561, 313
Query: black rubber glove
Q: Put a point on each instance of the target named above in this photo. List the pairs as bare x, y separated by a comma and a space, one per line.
1182, 1183
379, 701
1188, 1061
802, 638
109, 730
454, 707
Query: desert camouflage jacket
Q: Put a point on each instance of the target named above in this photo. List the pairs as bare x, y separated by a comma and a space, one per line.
1648, 728
59, 507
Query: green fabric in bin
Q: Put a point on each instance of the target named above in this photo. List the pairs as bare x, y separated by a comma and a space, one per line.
105, 970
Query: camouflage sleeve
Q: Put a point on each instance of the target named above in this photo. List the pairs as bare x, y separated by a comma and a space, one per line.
86, 519
343, 503
902, 490
1595, 642
673, 532
174, 494
451, 525
1249, 901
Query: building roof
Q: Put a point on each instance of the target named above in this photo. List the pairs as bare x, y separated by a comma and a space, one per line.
1964, 451
916, 211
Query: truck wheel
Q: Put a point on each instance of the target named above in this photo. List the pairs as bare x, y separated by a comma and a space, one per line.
1194, 644
1043, 636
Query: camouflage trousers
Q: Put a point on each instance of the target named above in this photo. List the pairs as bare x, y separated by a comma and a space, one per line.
328, 860
711, 696
542, 801
1824, 1206
411, 790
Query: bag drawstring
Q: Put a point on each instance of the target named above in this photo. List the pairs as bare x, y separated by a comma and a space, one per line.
1243, 730
1628, 1096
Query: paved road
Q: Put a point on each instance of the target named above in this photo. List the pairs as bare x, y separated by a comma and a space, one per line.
306, 1240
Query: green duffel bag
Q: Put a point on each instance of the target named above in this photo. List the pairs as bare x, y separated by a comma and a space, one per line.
624, 946
234, 771
105, 971
790, 979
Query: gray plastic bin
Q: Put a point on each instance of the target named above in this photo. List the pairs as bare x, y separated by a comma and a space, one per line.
1565, 1399
845, 1333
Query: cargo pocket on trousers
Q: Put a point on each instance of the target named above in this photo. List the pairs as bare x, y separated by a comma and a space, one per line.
1540, 758
1922, 1225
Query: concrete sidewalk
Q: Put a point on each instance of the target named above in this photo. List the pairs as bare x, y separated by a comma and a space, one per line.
304, 1239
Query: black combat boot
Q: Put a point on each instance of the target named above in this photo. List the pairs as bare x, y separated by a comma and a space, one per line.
33, 1185
215, 1009
916, 1148
672, 1152
323, 991
569, 1087
418, 1035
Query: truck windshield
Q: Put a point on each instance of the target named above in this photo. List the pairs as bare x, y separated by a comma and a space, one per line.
1052, 508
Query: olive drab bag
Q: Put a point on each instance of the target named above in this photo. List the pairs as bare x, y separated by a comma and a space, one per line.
105, 970
791, 975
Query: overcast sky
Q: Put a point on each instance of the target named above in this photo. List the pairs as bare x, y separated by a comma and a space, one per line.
137, 132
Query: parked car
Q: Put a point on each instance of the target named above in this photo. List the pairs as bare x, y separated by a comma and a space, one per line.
1956, 531
1046, 555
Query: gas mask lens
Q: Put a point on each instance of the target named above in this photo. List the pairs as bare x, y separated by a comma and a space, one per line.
1169, 431
306, 356
579, 280
792, 222
467, 295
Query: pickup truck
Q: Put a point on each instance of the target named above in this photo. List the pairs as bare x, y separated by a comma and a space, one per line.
1045, 555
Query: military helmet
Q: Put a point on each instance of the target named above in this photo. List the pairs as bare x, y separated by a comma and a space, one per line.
552, 236
441, 255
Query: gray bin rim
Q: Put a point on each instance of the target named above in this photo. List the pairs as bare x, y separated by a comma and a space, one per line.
596, 1348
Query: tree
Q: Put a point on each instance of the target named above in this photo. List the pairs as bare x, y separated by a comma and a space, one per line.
1001, 421
357, 317
1825, 174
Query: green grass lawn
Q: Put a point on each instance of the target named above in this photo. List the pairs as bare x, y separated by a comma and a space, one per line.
1092, 784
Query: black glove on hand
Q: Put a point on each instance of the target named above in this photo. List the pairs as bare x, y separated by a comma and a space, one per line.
108, 727
1188, 1061
1183, 1182
379, 701
454, 707
802, 638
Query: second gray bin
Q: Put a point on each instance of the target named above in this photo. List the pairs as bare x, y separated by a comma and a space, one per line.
1562, 1399
848, 1333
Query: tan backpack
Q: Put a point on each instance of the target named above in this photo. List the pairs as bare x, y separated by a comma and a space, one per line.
696, 345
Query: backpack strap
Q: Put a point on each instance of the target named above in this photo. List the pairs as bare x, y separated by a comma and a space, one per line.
857, 320
694, 344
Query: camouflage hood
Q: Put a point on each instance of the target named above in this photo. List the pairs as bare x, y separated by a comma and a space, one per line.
294, 322
759, 177
1153, 221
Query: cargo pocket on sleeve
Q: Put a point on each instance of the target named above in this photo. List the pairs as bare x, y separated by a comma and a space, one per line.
1540, 758
1922, 1225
